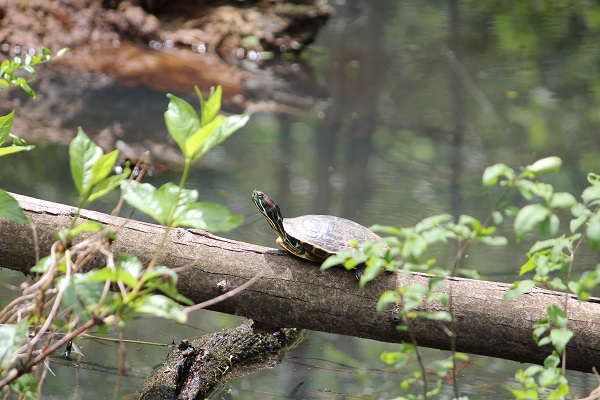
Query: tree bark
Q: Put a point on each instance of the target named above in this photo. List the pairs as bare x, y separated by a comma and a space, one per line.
295, 293
193, 370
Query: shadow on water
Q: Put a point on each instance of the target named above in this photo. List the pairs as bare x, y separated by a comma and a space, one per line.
392, 117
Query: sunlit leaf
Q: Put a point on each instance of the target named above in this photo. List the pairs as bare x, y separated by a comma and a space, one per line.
106, 186
517, 289
103, 167
161, 306
544, 166
14, 149
5, 125
560, 338
590, 194
182, 121
157, 203
210, 107
562, 200
336, 259
88, 226
62, 51
83, 154
195, 145
228, 126
494, 172
207, 216
112, 275
494, 240
10, 209
42, 265
576, 223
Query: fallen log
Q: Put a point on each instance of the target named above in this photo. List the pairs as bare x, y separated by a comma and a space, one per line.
193, 370
295, 293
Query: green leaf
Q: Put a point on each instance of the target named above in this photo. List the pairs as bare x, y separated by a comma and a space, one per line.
157, 203
592, 231
550, 376
83, 154
549, 226
524, 394
560, 392
593, 179
81, 295
494, 172
26, 386
228, 126
111, 274
161, 306
182, 121
129, 263
590, 194
528, 266
10, 209
5, 125
494, 240
62, 51
207, 216
552, 361
431, 222
438, 316
544, 166
106, 186
557, 315
517, 289
336, 259
88, 226
562, 200
528, 217
525, 187
196, 144
104, 166
210, 107
42, 265
14, 149
387, 298
27, 89
12, 337
576, 223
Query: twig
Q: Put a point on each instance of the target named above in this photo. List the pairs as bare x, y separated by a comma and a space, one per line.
225, 296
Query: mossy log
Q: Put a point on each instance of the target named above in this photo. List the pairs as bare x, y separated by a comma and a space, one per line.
194, 370
293, 292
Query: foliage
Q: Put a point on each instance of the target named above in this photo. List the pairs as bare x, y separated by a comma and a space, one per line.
65, 299
549, 259
9, 69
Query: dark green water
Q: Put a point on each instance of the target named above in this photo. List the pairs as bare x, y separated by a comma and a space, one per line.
415, 100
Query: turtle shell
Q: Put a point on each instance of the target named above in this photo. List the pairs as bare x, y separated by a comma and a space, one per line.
324, 235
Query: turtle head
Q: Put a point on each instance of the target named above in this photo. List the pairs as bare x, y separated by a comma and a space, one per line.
270, 210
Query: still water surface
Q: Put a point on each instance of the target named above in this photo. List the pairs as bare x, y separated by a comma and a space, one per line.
412, 100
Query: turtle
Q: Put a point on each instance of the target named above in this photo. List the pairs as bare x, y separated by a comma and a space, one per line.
313, 237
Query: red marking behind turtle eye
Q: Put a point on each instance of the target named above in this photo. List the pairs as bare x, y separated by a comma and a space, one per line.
269, 202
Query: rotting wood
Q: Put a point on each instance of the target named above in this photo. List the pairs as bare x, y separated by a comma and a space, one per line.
195, 369
295, 293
